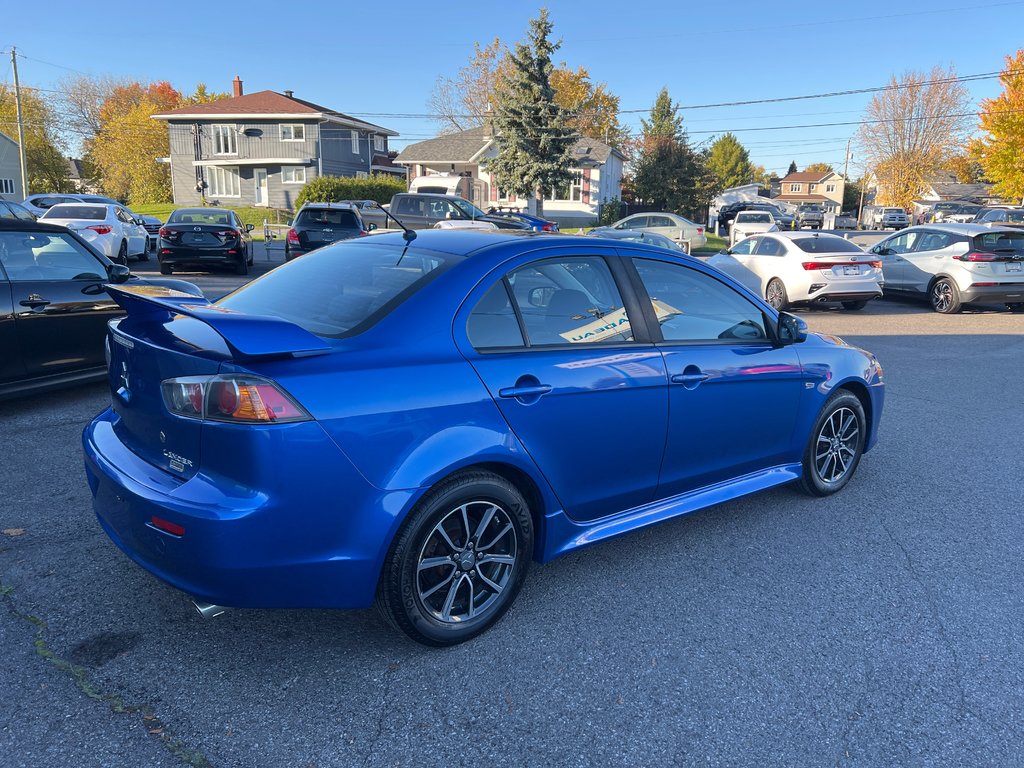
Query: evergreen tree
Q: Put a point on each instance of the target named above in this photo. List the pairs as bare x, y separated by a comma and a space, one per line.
730, 162
668, 172
792, 167
535, 138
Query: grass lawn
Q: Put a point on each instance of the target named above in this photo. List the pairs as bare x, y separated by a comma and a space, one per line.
254, 216
714, 245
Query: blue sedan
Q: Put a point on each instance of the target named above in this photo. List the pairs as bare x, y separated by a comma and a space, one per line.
412, 422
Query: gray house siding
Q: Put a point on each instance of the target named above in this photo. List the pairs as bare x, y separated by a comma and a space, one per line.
325, 149
10, 170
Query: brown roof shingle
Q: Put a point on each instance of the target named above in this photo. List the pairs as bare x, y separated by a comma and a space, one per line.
811, 176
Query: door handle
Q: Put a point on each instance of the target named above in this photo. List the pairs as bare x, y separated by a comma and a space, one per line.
690, 378
533, 390
34, 301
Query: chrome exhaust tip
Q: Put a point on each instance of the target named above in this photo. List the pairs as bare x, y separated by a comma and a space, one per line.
208, 610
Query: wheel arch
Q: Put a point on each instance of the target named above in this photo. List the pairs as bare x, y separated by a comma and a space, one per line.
860, 390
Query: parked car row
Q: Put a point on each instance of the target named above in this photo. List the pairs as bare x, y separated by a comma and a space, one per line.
948, 265
108, 226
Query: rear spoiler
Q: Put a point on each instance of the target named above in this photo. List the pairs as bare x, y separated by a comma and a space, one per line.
245, 335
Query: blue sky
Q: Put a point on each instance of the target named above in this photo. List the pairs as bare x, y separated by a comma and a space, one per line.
364, 58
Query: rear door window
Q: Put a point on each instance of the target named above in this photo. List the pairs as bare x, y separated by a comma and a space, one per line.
493, 323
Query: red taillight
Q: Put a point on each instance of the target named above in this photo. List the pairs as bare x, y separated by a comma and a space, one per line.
811, 265
700, 230
101, 229
233, 398
983, 285
293, 236
363, 234
167, 526
547, 228
976, 256
164, 232
875, 264
228, 233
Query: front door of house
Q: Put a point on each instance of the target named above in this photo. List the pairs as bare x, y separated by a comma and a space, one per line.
260, 177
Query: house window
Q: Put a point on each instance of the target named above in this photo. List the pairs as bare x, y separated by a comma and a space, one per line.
224, 140
293, 174
572, 191
293, 132
795, 187
379, 145
810, 187
224, 182
830, 187
7, 186
354, 138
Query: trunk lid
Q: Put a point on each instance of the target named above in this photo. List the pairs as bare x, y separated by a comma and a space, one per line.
200, 235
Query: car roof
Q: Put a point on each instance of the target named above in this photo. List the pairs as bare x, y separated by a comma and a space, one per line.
20, 225
345, 206
800, 235
963, 229
201, 210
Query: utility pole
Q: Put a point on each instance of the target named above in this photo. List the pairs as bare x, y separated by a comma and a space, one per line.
846, 165
21, 125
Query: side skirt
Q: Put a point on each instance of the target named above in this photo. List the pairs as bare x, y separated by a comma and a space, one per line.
565, 535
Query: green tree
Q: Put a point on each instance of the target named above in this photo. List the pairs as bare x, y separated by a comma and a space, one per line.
44, 150
1002, 147
668, 172
851, 194
730, 162
792, 167
535, 150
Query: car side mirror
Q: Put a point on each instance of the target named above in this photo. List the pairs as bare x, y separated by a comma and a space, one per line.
370, 227
792, 329
250, 227
137, 220
119, 273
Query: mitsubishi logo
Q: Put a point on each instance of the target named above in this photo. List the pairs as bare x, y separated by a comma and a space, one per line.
197, 229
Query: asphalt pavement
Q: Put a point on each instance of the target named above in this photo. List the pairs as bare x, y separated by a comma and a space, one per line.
878, 627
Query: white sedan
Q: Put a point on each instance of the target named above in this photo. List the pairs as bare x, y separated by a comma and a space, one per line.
749, 223
802, 268
109, 228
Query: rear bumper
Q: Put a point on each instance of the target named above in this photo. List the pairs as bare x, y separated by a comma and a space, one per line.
217, 256
831, 294
1005, 293
314, 540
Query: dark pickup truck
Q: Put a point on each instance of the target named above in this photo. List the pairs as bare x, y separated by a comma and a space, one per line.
423, 211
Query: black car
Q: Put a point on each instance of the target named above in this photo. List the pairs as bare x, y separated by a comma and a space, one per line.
9, 210
54, 307
319, 224
728, 212
200, 238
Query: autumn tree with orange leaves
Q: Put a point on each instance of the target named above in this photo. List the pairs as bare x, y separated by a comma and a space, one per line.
1002, 119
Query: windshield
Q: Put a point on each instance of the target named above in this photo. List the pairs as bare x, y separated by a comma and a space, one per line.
199, 216
811, 208
340, 290
471, 211
894, 210
826, 244
1000, 242
97, 212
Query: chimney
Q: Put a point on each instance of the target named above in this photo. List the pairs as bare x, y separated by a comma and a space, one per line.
237, 85
289, 94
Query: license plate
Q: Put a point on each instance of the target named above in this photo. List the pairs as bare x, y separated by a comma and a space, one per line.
1013, 266
198, 238
851, 270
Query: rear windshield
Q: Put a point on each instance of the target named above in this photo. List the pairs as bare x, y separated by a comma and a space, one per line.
199, 217
826, 244
327, 217
755, 218
340, 290
97, 212
1000, 242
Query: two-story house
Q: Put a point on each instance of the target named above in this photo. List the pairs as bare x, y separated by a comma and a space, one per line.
597, 173
262, 148
10, 170
823, 187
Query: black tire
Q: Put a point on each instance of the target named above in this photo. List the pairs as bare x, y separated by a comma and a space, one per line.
1015, 307
406, 591
122, 253
853, 306
242, 267
165, 269
824, 471
143, 256
944, 296
775, 294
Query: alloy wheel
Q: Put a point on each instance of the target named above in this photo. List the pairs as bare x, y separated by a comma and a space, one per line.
466, 562
942, 296
776, 294
837, 445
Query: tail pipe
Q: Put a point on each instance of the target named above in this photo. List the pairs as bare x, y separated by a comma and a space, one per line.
208, 610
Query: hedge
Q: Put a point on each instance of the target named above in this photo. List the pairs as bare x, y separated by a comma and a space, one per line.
331, 189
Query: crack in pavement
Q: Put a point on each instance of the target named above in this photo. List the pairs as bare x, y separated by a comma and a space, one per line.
79, 675
389, 674
958, 675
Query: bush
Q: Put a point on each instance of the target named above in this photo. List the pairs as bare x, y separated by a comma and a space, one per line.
610, 211
331, 189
